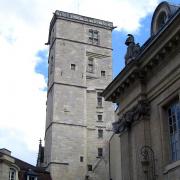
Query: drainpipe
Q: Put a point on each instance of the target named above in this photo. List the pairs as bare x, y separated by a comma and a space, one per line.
110, 157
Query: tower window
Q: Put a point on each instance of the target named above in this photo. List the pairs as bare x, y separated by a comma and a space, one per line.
103, 73
100, 152
100, 133
89, 166
81, 159
99, 116
99, 99
94, 37
73, 67
90, 67
174, 130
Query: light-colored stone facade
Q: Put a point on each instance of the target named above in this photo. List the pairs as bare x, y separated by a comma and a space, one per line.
147, 91
7, 165
12, 168
80, 66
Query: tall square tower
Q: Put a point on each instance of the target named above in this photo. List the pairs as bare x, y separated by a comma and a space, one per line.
77, 120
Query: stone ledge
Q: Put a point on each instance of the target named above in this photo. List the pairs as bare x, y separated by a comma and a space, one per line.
80, 18
171, 166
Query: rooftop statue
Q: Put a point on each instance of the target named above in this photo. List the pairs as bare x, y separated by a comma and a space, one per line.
132, 49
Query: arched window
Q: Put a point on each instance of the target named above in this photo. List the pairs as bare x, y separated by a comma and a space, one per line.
12, 174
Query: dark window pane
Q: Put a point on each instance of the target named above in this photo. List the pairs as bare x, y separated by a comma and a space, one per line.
99, 117
81, 158
100, 152
169, 112
89, 167
174, 129
103, 73
100, 133
170, 121
73, 67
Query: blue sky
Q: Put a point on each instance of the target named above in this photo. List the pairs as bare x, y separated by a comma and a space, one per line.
24, 27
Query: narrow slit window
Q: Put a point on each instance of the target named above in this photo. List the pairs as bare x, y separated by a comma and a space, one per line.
73, 67
100, 133
99, 99
100, 152
99, 116
103, 73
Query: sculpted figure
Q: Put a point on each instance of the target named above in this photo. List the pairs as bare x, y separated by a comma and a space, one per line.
132, 49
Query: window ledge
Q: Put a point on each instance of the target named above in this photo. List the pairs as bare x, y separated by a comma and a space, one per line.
171, 166
98, 157
99, 107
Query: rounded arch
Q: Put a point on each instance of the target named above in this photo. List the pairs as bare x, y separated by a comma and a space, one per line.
161, 15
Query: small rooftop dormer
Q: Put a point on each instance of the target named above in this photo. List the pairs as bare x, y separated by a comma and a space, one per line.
162, 14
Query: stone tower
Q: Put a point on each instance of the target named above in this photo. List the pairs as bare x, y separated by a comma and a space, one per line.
77, 120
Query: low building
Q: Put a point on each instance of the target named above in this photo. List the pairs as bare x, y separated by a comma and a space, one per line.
146, 144
12, 168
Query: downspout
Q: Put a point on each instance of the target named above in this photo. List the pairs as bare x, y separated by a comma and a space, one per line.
110, 157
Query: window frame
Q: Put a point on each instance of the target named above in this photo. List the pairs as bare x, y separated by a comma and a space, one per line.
100, 152
94, 37
100, 133
100, 119
99, 100
90, 65
173, 121
73, 67
89, 167
103, 73
12, 174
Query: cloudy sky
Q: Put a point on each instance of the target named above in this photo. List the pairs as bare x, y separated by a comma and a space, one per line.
24, 28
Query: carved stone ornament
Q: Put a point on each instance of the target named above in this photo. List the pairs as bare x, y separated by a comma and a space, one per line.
136, 113
132, 50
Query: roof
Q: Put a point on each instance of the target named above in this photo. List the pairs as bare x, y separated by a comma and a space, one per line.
26, 168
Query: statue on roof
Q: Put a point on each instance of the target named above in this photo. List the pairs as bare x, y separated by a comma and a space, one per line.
132, 49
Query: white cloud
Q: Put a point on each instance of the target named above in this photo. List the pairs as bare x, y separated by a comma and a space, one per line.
125, 14
23, 31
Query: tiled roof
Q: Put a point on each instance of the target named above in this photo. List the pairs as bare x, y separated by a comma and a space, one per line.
26, 168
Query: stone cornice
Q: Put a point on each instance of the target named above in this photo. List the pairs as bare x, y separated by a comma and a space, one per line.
79, 19
152, 54
84, 19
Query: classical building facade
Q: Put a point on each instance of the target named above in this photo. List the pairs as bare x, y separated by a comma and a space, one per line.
146, 143
78, 119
